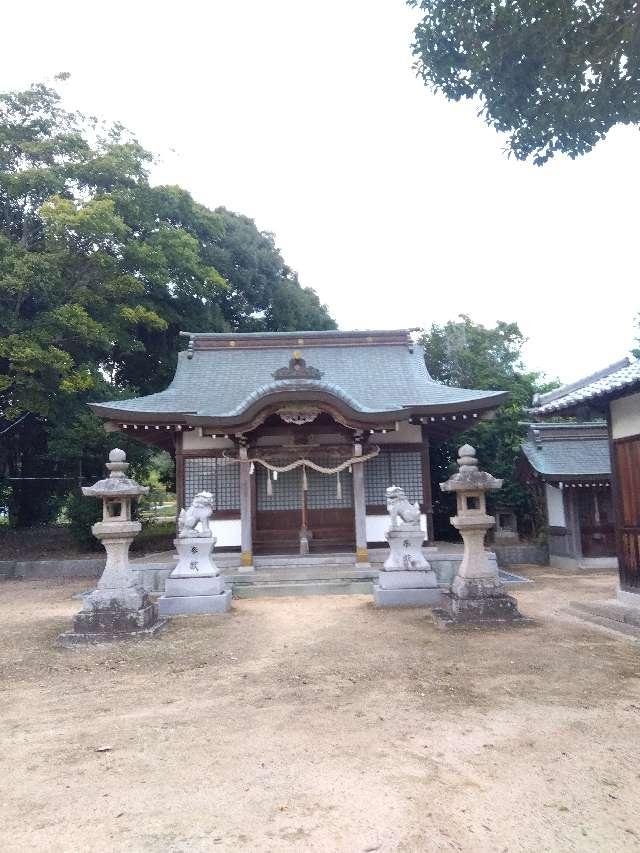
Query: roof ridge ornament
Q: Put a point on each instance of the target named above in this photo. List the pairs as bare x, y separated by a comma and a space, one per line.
297, 369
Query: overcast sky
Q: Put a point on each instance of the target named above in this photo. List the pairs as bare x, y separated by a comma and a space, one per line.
399, 208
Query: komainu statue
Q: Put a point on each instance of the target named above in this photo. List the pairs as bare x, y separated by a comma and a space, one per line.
399, 506
194, 521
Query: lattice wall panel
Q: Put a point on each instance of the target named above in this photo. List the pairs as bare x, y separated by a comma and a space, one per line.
323, 489
287, 490
215, 475
406, 471
376, 479
393, 468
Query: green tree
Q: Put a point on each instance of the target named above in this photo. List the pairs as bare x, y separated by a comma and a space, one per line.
469, 355
263, 293
99, 271
556, 76
636, 351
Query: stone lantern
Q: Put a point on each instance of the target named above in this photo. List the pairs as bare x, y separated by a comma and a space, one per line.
118, 607
477, 594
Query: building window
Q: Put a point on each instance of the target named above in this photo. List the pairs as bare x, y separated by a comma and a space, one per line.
219, 476
393, 468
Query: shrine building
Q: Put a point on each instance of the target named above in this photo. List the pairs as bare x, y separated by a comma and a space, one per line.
297, 435
569, 467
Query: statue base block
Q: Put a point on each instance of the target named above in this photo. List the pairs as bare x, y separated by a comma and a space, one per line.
195, 585
407, 597
497, 609
405, 543
192, 605
107, 624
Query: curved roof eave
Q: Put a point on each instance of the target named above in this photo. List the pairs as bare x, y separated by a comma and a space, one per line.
280, 392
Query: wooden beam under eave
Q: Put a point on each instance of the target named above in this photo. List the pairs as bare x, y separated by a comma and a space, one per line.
161, 438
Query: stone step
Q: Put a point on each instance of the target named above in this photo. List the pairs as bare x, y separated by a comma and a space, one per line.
277, 589
281, 561
608, 614
301, 573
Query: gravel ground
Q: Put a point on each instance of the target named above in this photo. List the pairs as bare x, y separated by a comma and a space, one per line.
320, 724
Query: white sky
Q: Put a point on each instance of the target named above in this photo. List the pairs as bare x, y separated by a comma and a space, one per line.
398, 207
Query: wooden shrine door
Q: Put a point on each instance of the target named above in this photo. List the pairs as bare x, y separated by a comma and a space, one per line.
278, 516
626, 453
597, 533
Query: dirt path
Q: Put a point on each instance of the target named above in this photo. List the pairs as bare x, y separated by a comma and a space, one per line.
320, 724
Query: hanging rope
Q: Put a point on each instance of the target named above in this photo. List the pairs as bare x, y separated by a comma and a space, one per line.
281, 469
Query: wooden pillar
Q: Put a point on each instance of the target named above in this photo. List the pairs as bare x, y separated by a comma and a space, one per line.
360, 508
427, 502
246, 537
180, 475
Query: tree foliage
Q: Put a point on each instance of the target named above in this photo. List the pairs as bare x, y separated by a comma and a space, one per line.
555, 76
469, 355
99, 271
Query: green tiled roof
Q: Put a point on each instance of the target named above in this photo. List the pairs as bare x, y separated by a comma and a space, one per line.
568, 450
223, 382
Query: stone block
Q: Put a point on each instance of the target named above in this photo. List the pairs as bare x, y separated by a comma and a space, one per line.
106, 624
481, 612
407, 580
406, 597
176, 586
477, 588
191, 605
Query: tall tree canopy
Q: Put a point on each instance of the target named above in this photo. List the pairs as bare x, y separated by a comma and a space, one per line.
99, 270
555, 76
470, 355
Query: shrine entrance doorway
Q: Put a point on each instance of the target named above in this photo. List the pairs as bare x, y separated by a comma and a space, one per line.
595, 513
285, 503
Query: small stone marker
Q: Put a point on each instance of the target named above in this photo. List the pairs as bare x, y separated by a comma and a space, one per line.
477, 595
195, 585
407, 579
118, 608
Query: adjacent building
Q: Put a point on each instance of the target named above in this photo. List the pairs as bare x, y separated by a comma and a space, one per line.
298, 435
568, 464
615, 393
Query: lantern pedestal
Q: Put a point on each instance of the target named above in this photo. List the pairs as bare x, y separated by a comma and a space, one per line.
195, 585
477, 596
118, 608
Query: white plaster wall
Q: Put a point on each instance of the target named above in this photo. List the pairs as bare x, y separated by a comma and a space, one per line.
227, 532
377, 525
405, 434
555, 507
625, 416
193, 441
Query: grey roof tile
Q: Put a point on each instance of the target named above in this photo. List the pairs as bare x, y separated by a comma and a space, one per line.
617, 377
217, 383
558, 450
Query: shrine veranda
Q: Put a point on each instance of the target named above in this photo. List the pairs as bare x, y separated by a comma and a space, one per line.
298, 435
